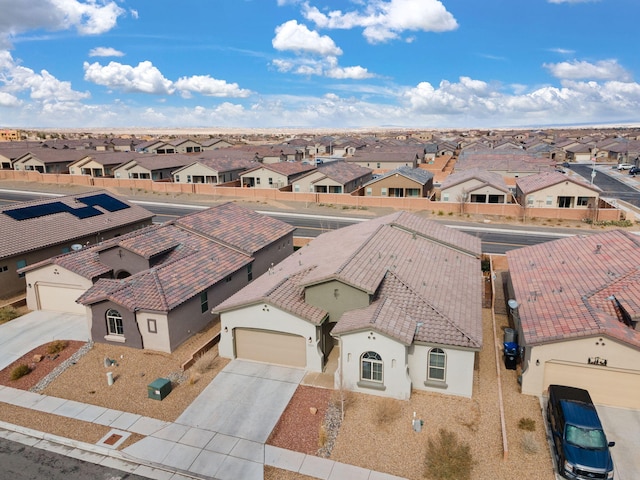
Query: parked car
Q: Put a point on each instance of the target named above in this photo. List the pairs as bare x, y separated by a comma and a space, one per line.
634, 170
581, 447
625, 166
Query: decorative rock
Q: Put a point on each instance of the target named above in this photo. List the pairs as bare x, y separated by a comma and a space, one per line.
38, 358
313, 410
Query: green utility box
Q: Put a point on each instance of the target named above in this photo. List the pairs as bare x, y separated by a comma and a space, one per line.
159, 388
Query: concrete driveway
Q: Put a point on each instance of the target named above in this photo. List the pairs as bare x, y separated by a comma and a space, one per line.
23, 334
245, 400
622, 426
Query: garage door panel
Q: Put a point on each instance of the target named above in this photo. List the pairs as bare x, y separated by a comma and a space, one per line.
271, 347
606, 385
59, 298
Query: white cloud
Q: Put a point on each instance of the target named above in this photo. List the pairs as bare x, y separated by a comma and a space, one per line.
8, 100
211, 87
105, 52
562, 51
292, 36
384, 21
144, 78
42, 87
356, 73
324, 67
89, 17
578, 70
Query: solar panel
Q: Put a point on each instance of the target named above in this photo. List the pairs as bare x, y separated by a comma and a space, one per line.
35, 211
105, 201
84, 212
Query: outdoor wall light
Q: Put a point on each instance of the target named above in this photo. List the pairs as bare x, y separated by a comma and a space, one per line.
310, 340
226, 329
537, 362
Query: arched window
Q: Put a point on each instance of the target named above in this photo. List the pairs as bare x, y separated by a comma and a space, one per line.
114, 322
371, 367
437, 365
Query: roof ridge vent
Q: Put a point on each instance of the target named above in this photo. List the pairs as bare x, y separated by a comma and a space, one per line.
598, 248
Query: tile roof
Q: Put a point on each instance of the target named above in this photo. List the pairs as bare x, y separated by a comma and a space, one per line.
509, 160
50, 155
533, 183
21, 236
343, 172
236, 227
430, 273
489, 178
418, 175
564, 287
285, 168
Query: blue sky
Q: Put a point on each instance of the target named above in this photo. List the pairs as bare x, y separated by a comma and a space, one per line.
318, 63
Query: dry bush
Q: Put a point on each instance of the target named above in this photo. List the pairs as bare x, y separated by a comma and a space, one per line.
322, 436
529, 443
447, 458
56, 347
387, 411
527, 424
343, 399
20, 371
7, 314
194, 377
205, 362
471, 418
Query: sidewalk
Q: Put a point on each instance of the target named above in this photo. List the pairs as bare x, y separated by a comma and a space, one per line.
169, 451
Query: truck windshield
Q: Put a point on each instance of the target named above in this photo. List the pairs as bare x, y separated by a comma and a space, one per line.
586, 437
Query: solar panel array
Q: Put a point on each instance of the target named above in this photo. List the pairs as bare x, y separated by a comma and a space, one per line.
102, 200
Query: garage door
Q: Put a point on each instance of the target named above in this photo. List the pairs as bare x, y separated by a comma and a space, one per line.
271, 347
59, 298
606, 385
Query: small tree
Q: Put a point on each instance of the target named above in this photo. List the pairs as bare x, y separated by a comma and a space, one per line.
447, 458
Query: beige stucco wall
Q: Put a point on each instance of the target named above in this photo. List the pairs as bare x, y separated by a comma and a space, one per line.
336, 298
387, 166
267, 317
458, 373
158, 341
278, 180
471, 187
395, 181
305, 184
52, 274
192, 171
565, 189
76, 168
617, 354
396, 382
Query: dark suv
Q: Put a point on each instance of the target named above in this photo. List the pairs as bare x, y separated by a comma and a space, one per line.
581, 447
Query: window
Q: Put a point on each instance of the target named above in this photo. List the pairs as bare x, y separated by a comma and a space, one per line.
177, 178
378, 165
114, 322
152, 325
530, 200
296, 187
257, 181
4, 268
270, 181
369, 191
565, 202
188, 178
227, 278
250, 272
204, 302
383, 192
21, 264
583, 201
549, 200
437, 365
445, 197
413, 192
371, 367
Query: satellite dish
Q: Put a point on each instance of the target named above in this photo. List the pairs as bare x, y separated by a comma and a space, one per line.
513, 304
76, 246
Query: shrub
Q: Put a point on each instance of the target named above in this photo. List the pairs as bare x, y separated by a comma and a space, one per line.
447, 458
387, 411
206, 361
20, 371
440, 213
529, 443
322, 436
56, 347
527, 424
8, 313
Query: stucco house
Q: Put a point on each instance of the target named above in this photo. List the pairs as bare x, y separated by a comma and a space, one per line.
154, 288
397, 298
152, 167
401, 182
333, 177
274, 175
556, 190
212, 170
48, 160
475, 186
37, 230
382, 161
100, 164
575, 305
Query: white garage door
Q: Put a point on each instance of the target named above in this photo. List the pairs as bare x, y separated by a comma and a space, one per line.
606, 385
59, 298
271, 347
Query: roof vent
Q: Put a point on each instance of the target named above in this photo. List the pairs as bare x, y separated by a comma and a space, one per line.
598, 247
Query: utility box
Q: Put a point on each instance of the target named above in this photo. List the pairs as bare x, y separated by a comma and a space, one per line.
159, 388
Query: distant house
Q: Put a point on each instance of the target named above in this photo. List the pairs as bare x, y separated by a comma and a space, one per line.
574, 304
155, 287
47, 160
580, 153
397, 298
37, 230
100, 164
556, 190
215, 143
152, 167
401, 182
475, 186
508, 163
333, 177
275, 175
382, 161
212, 170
